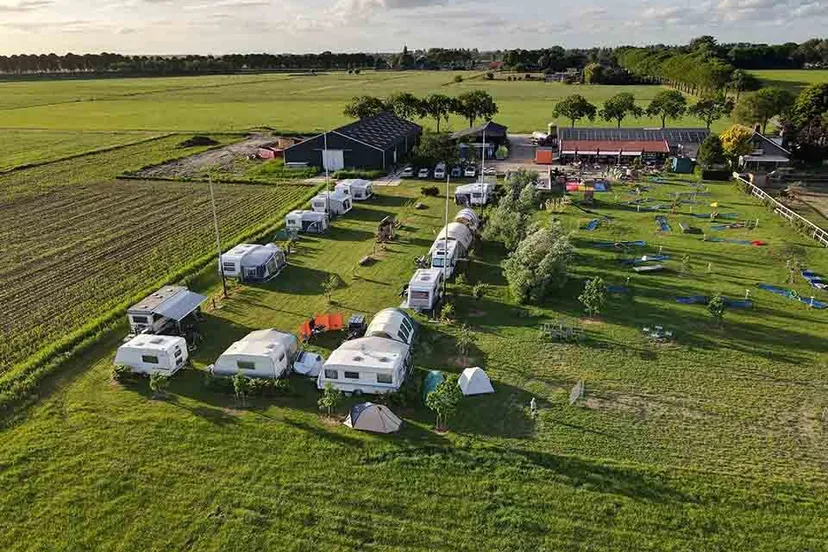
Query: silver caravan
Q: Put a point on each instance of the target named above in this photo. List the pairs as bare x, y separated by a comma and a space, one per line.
253, 262
333, 203
425, 290
307, 222
357, 188
153, 354
163, 309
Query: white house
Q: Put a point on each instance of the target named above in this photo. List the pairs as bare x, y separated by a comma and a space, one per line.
393, 324
335, 203
357, 188
151, 354
425, 289
309, 222
260, 354
163, 309
479, 193
367, 365
251, 262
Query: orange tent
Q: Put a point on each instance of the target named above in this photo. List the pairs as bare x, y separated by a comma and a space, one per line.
332, 321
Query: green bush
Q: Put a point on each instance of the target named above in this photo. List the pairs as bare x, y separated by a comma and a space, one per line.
122, 374
479, 290
430, 191
460, 280
448, 313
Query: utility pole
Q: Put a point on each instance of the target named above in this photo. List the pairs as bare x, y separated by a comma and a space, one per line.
327, 183
218, 235
445, 236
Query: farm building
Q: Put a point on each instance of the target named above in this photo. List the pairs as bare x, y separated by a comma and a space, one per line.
623, 145
161, 310
471, 140
253, 262
367, 365
377, 142
309, 222
767, 155
151, 354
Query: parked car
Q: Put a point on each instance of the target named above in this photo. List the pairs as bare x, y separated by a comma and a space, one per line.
407, 172
456, 171
470, 171
440, 171
423, 173
490, 171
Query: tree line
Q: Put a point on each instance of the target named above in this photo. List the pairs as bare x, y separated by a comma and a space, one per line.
472, 105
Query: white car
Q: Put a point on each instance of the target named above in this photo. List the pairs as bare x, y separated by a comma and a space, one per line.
423, 173
470, 172
490, 171
440, 172
407, 172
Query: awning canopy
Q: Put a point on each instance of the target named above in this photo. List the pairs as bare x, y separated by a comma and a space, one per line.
177, 308
765, 159
631, 153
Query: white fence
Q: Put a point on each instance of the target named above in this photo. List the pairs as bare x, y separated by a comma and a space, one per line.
813, 230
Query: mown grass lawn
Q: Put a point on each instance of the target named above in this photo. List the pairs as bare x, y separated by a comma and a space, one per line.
713, 442
795, 79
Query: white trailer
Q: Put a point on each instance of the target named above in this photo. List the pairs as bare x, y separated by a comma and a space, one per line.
334, 203
153, 354
425, 289
479, 193
444, 256
308, 222
251, 262
373, 365
166, 307
357, 188
259, 354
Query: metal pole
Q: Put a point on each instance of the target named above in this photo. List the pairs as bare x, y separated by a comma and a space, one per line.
445, 237
218, 235
483, 159
327, 183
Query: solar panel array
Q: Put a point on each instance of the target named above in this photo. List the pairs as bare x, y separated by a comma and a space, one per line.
383, 130
672, 135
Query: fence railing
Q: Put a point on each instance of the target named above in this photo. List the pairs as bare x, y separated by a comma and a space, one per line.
813, 230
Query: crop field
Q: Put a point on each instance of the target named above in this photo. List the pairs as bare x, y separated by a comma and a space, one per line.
714, 441
288, 103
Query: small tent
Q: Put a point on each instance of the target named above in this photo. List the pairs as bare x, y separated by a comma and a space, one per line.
376, 418
431, 381
474, 381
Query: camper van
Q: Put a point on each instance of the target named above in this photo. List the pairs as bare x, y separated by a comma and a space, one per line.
478, 193
163, 310
335, 203
393, 324
367, 365
440, 171
458, 232
425, 289
259, 354
357, 188
444, 256
153, 354
252, 262
308, 222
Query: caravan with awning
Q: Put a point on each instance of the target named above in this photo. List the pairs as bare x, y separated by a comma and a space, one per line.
161, 310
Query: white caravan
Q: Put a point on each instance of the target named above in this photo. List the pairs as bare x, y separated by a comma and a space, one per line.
357, 188
425, 290
444, 255
478, 193
164, 308
457, 232
469, 218
367, 365
335, 203
393, 324
251, 262
259, 354
309, 222
153, 354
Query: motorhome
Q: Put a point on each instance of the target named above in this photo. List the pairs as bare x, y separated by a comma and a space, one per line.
308, 222
479, 193
357, 188
153, 354
455, 231
393, 324
334, 203
374, 365
163, 310
444, 256
259, 354
425, 289
253, 262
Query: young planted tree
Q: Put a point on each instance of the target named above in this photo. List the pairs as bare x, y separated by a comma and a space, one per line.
711, 108
686, 266
362, 107
158, 385
477, 104
241, 387
444, 401
716, 308
619, 106
331, 284
575, 108
330, 399
465, 339
764, 105
667, 104
594, 296
438, 107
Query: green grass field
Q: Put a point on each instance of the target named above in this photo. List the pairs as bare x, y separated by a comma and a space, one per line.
795, 79
714, 442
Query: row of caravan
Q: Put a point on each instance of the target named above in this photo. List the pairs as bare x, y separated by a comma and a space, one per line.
326, 205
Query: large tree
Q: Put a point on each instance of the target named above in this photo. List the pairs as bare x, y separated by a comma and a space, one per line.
806, 126
711, 152
362, 107
619, 106
762, 106
435, 147
711, 108
539, 263
574, 108
438, 107
476, 104
405, 105
667, 104
737, 141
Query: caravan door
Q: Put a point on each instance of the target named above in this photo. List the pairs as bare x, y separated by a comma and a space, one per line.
333, 160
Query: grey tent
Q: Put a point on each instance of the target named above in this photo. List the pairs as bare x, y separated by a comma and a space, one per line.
376, 418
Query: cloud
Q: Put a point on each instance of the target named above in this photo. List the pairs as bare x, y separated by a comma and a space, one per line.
23, 6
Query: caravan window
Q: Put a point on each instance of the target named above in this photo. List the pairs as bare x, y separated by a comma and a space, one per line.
179, 362
149, 359
245, 365
351, 375
420, 295
177, 352
331, 374
384, 378
402, 334
407, 325
140, 319
229, 267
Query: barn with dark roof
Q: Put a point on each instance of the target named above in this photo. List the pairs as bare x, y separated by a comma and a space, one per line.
377, 142
618, 144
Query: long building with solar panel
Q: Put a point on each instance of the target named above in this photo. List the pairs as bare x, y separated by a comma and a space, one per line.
623, 145
377, 142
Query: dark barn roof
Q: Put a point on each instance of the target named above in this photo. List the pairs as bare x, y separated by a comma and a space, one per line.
493, 130
380, 131
674, 136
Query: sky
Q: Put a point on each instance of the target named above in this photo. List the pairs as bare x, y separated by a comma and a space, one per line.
282, 26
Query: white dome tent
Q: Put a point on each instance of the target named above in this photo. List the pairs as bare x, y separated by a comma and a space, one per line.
375, 418
474, 381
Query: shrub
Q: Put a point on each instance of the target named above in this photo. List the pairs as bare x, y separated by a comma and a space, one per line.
121, 373
479, 290
448, 313
594, 296
366, 174
458, 78
158, 384
330, 399
430, 191
460, 280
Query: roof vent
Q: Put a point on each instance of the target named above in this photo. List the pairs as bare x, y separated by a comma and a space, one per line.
358, 358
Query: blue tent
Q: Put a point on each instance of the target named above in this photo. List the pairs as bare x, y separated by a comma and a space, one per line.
431, 381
